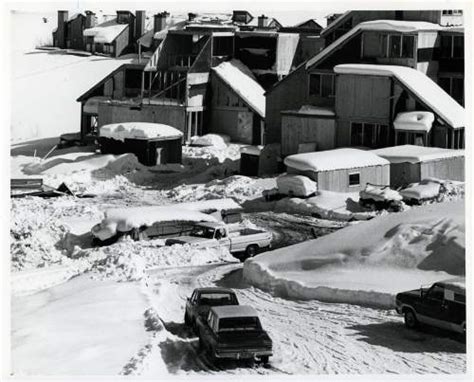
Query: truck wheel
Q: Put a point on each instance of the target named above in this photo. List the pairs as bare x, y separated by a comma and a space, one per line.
251, 251
410, 319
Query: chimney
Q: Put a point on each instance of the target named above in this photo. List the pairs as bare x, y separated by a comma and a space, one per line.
191, 16
262, 21
62, 28
91, 20
139, 23
160, 21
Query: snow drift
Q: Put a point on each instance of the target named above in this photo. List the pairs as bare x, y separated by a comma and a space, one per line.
370, 262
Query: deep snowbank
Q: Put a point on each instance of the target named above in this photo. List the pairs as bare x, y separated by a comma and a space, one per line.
370, 262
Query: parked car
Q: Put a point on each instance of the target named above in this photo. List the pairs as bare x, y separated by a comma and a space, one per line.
234, 332
202, 299
442, 305
245, 242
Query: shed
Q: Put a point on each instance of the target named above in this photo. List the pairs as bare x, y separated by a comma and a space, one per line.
152, 143
341, 170
410, 163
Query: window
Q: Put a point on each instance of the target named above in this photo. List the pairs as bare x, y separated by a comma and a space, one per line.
454, 86
322, 85
354, 179
436, 292
398, 46
459, 297
369, 134
451, 12
452, 46
222, 46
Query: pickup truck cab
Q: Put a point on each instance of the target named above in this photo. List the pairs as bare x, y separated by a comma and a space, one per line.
442, 305
236, 239
201, 301
234, 332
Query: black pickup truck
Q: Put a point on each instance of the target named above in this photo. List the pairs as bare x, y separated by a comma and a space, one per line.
442, 305
234, 332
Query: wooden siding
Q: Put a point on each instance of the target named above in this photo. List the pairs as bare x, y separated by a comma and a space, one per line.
301, 129
338, 180
170, 115
362, 97
289, 94
121, 42
451, 168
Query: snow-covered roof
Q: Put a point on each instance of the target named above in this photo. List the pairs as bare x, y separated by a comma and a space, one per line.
314, 110
241, 80
414, 121
379, 25
105, 33
416, 154
338, 159
139, 130
228, 311
419, 84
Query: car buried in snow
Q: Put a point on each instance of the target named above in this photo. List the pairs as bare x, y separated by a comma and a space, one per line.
240, 241
443, 305
234, 332
202, 299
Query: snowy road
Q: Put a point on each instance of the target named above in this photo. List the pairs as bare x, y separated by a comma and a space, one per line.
309, 337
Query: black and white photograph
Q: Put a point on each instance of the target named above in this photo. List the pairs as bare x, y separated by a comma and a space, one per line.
237, 190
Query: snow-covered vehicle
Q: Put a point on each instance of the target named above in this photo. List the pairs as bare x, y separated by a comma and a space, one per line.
380, 197
424, 191
234, 332
202, 299
296, 185
442, 305
240, 241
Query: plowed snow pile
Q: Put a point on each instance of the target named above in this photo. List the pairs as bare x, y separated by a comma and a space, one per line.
370, 262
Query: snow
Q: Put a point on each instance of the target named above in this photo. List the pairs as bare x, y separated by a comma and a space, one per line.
379, 193
105, 33
418, 83
251, 150
139, 130
39, 117
398, 252
316, 110
215, 140
426, 189
296, 185
416, 154
126, 219
241, 80
329, 160
65, 330
414, 121
377, 25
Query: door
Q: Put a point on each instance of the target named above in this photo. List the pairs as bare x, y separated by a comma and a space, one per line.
433, 307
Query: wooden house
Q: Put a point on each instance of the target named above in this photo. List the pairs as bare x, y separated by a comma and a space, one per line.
69, 33
410, 164
340, 170
367, 100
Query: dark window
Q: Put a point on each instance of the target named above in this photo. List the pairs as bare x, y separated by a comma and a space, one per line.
419, 139
458, 46
436, 292
321, 85
383, 139
401, 138
445, 84
314, 84
407, 46
446, 46
354, 179
356, 134
369, 135
222, 46
395, 46
459, 297
457, 89
239, 323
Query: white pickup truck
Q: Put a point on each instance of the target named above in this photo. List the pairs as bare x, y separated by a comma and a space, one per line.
242, 242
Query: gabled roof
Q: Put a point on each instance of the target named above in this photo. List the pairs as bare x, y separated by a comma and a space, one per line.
336, 22
377, 25
311, 23
419, 84
107, 32
241, 80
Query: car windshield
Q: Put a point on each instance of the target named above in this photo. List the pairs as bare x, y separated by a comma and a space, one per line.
205, 232
239, 323
217, 299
